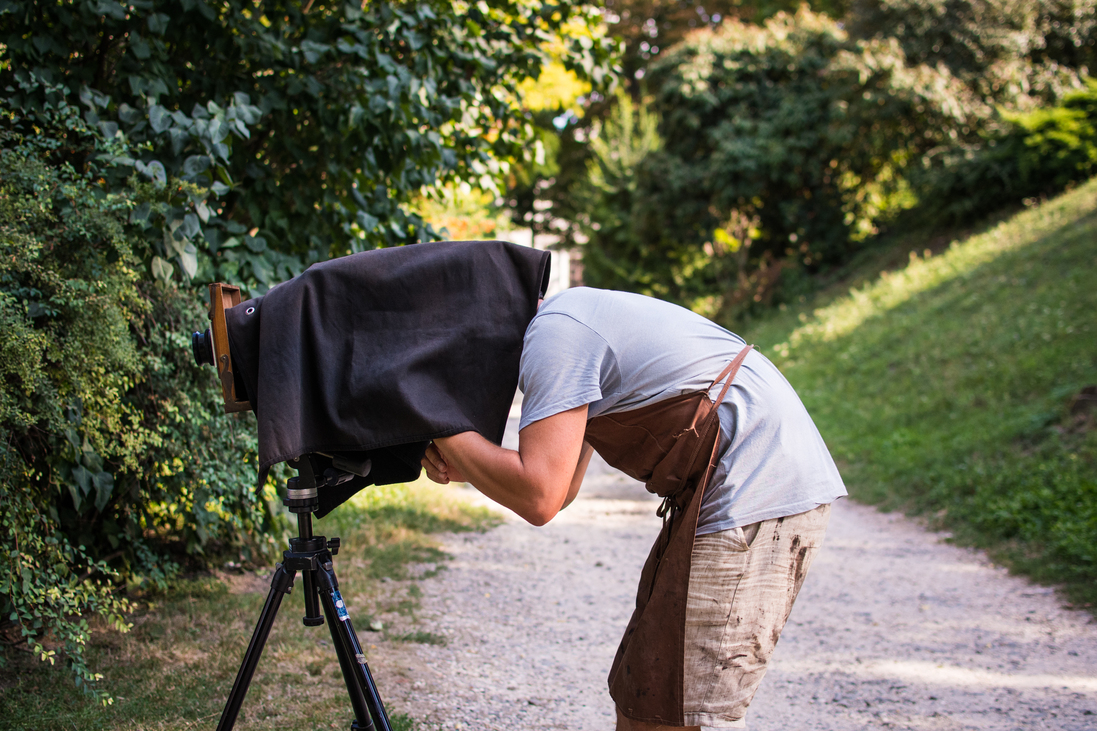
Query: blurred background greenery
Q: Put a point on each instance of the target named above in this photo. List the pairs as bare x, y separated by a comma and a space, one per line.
770, 165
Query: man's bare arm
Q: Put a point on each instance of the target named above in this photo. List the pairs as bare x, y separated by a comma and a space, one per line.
536, 481
580, 473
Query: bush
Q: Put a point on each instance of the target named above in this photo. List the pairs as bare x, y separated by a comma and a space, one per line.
154, 145
1017, 53
1038, 153
614, 257
310, 124
788, 146
115, 455
783, 148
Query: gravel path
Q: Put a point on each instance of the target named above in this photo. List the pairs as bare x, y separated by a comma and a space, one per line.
894, 629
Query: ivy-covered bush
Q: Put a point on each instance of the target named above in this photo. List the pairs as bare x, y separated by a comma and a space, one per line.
312, 123
115, 461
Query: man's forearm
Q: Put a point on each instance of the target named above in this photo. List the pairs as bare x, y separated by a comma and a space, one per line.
501, 475
580, 473
537, 480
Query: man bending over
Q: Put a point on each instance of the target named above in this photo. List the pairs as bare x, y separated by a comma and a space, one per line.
710, 425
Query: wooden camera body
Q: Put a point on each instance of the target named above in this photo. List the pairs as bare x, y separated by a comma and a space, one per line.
221, 298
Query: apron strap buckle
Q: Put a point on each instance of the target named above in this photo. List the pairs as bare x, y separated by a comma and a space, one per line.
665, 507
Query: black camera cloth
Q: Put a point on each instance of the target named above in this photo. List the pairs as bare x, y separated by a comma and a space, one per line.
375, 354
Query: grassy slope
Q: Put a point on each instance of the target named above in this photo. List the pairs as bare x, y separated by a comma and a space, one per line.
175, 668
943, 387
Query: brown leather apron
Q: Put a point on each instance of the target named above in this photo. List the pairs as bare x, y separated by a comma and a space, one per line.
671, 446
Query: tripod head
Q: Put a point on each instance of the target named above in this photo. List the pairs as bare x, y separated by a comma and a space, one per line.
316, 470
308, 552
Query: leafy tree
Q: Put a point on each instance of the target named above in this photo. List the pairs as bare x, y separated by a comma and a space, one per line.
310, 123
651, 27
550, 196
613, 256
1018, 53
790, 140
1029, 60
540, 188
783, 146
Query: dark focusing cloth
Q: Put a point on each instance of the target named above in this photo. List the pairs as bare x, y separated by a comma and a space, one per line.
377, 353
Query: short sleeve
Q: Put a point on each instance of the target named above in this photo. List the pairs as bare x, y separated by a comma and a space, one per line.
565, 364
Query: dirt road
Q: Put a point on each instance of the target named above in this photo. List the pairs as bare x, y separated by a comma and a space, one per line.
894, 629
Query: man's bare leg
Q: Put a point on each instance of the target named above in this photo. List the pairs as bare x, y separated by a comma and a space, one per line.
627, 724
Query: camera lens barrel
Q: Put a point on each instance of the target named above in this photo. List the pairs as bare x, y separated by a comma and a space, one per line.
202, 346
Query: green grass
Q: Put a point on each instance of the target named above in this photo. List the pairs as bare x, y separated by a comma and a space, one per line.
174, 669
943, 387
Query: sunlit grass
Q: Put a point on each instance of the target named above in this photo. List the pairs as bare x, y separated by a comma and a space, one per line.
175, 668
926, 272
944, 387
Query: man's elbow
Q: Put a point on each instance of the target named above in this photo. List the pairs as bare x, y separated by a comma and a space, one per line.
543, 509
539, 515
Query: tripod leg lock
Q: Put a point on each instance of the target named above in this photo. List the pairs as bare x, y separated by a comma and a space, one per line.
325, 577
282, 579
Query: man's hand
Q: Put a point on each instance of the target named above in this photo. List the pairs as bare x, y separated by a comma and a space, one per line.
536, 482
438, 469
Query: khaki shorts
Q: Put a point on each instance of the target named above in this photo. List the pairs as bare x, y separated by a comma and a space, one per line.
742, 585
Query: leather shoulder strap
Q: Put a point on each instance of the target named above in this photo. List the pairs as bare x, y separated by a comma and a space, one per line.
729, 373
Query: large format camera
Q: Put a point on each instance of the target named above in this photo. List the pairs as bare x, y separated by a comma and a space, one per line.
308, 554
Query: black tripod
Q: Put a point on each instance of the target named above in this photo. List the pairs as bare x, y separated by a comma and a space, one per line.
311, 555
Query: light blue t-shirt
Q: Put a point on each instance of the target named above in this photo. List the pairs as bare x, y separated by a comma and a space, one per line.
618, 351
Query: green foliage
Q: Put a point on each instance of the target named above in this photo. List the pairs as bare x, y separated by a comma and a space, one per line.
783, 149
791, 144
113, 448
310, 124
550, 197
651, 27
171, 142
946, 388
65, 304
613, 258
1018, 53
1038, 153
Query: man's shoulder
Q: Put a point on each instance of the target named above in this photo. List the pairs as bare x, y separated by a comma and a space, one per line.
575, 296
591, 302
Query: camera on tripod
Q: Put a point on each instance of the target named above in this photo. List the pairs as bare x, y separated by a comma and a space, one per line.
310, 555
352, 367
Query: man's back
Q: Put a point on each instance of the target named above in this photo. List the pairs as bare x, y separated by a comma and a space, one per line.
618, 351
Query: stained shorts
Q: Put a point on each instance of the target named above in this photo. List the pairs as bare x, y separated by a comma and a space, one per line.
742, 585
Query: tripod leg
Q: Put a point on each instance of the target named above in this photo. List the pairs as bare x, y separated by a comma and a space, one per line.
280, 585
368, 708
